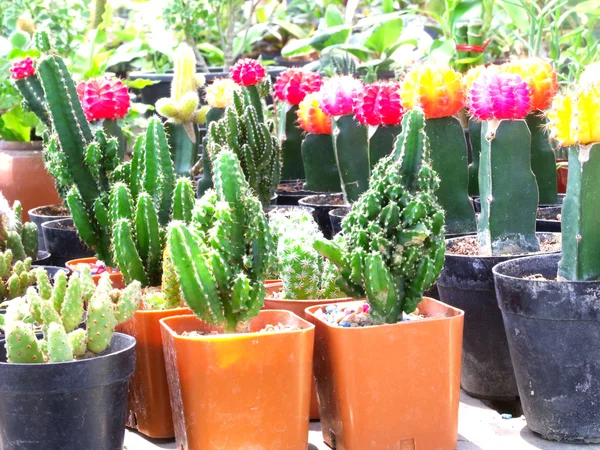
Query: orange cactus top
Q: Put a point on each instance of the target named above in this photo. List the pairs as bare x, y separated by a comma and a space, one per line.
437, 90
540, 77
311, 117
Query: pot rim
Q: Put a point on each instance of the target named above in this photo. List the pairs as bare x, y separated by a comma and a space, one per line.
54, 222
157, 312
304, 201
32, 211
233, 336
310, 311
490, 257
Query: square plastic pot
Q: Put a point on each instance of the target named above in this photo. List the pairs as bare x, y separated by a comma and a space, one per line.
390, 386
240, 390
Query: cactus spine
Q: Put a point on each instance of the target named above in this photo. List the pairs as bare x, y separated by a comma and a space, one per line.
222, 272
62, 340
394, 234
508, 189
449, 159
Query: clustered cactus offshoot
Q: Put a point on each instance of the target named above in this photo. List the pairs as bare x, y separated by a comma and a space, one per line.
14, 278
394, 234
59, 311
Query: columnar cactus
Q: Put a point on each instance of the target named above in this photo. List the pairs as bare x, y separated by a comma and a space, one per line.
574, 122
438, 91
30, 88
242, 131
508, 189
318, 156
290, 88
350, 138
14, 279
59, 318
394, 234
222, 257
182, 109
20, 238
541, 80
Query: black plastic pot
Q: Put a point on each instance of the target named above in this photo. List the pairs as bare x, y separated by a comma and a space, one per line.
323, 203
42, 259
547, 219
39, 219
291, 197
63, 241
553, 330
53, 270
336, 216
467, 283
67, 406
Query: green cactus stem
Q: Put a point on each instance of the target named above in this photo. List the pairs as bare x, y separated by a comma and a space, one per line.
21, 345
381, 143
475, 141
222, 275
32, 92
394, 234
206, 182
350, 144
112, 129
450, 160
319, 164
508, 189
580, 221
543, 161
290, 135
185, 150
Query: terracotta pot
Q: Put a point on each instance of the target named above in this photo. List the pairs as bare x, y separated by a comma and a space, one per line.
562, 173
115, 276
390, 386
239, 391
149, 409
269, 282
23, 176
298, 307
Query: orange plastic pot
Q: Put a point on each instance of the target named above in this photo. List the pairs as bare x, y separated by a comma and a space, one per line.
269, 282
23, 176
240, 391
390, 386
149, 405
562, 173
116, 278
298, 307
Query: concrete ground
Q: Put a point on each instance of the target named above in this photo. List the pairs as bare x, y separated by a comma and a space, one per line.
479, 428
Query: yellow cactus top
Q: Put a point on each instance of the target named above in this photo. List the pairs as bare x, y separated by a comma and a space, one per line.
574, 117
185, 78
540, 77
437, 90
474, 73
219, 94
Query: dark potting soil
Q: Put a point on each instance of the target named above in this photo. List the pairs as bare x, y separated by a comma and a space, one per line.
545, 214
469, 246
63, 226
329, 199
53, 210
291, 187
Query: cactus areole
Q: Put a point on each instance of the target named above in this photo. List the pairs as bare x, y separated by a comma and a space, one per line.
394, 234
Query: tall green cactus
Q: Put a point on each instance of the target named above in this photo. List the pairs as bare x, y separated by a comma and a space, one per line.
508, 189
253, 140
394, 234
20, 238
351, 146
580, 219
206, 182
543, 161
475, 141
32, 92
59, 320
222, 270
291, 140
319, 164
449, 159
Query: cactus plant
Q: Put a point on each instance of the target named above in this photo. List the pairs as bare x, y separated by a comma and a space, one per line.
541, 80
350, 138
508, 189
182, 110
318, 156
573, 121
438, 90
222, 257
252, 139
14, 279
291, 87
62, 340
305, 274
30, 88
20, 238
394, 234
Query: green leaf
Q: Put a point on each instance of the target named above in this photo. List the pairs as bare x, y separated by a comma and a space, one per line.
20, 54
333, 16
19, 40
362, 53
587, 7
388, 6
18, 124
296, 48
518, 15
441, 52
385, 35
291, 28
330, 36
139, 83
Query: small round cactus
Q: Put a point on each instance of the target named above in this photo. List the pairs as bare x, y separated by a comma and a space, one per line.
379, 104
219, 94
499, 96
247, 72
293, 85
540, 78
311, 117
104, 98
22, 69
338, 94
437, 90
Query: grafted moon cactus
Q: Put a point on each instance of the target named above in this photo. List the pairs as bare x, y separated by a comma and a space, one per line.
221, 259
574, 121
394, 234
